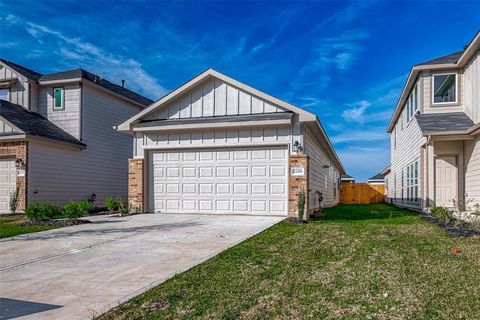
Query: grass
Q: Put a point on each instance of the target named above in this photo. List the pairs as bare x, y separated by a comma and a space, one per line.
357, 262
10, 226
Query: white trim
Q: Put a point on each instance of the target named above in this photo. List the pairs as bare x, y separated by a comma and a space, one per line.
11, 125
433, 89
303, 115
49, 82
215, 146
264, 123
13, 137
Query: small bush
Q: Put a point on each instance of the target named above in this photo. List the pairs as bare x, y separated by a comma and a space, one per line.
301, 203
76, 209
111, 204
14, 200
122, 206
442, 213
44, 211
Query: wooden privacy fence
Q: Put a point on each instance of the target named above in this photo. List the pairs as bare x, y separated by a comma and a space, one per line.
361, 193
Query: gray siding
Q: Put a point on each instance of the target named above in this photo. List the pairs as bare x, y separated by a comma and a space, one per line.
472, 170
58, 174
471, 88
214, 97
67, 119
18, 92
320, 179
6, 128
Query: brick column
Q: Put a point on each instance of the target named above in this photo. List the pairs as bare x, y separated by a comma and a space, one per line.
296, 183
135, 185
18, 150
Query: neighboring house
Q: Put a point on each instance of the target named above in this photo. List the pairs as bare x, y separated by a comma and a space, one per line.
347, 178
216, 145
57, 140
376, 179
435, 132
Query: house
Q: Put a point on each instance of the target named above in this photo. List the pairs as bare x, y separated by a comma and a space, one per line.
57, 140
347, 178
435, 132
376, 179
216, 145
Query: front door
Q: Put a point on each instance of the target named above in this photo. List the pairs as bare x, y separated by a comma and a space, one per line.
446, 180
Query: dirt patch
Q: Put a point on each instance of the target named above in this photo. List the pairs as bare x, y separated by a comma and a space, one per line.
455, 228
58, 223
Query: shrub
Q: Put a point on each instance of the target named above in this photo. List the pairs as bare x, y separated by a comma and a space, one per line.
442, 213
111, 204
14, 200
33, 212
44, 211
76, 209
123, 207
301, 203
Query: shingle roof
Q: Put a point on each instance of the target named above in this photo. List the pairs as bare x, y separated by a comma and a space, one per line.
449, 58
346, 177
34, 124
80, 73
30, 74
378, 176
444, 122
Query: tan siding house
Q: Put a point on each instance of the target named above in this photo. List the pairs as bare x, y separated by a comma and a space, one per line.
58, 131
216, 145
435, 128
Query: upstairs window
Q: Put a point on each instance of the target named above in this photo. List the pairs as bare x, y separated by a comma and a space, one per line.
444, 88
412, 103
58, 99
4, 94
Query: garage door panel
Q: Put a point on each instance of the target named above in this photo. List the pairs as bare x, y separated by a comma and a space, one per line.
248, 180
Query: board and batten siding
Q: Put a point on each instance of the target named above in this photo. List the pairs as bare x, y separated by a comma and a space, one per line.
214, 97
5, 128
408, 149
472, 169
57, 173
67, 119
471, 88
320, 179
18, 93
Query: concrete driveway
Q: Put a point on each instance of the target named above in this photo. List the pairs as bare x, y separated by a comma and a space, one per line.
75, 272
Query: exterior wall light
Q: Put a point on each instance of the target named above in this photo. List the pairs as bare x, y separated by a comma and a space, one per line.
297, 147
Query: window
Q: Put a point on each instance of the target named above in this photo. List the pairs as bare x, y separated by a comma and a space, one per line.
444, 88
412, 104
58, 99
4, 94
395, 138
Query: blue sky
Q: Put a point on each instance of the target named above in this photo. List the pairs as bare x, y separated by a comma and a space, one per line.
345, 61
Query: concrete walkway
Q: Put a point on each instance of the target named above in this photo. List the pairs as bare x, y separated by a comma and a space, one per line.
79, 271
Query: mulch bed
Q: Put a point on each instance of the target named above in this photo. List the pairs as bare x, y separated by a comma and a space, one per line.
455, 228
59, 223
296, 220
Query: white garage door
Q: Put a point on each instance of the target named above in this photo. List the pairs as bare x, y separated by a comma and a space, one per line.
7, 183
238, 181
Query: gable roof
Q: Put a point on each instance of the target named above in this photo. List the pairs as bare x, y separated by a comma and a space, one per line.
378, 176
444, 122
28, 73
33, 124
209, 73
449, 58
346, 177
79, 74
452, 61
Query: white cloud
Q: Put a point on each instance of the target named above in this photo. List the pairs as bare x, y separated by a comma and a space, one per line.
79, 53
361, 135
357, 112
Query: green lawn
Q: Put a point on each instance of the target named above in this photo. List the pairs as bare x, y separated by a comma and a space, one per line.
9, 226
357, 262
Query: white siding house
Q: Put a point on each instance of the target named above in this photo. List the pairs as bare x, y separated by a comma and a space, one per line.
435, 152
58, 129
215, 145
